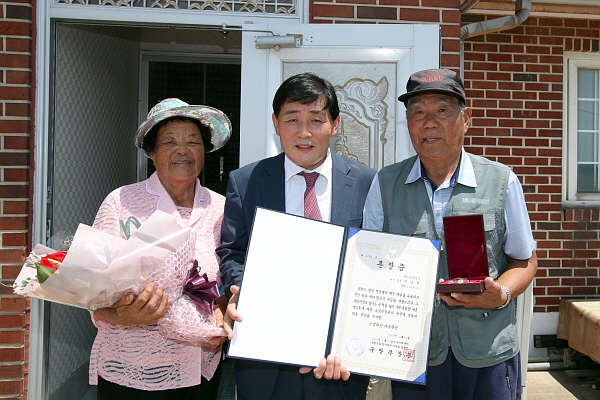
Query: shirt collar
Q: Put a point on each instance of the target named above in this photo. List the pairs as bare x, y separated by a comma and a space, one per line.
464, 174
292, 169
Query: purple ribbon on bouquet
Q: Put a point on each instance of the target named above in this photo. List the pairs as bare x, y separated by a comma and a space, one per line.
202, 291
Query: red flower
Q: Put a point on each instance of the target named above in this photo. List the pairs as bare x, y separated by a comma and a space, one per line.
53, 261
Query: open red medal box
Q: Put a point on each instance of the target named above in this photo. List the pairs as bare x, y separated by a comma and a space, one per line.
467, 254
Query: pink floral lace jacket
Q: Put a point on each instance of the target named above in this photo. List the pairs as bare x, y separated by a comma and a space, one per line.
137, 356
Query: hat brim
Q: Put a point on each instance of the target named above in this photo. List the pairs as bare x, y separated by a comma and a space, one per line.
215, 120
404, 98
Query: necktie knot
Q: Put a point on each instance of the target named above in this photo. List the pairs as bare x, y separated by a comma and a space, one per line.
310, 177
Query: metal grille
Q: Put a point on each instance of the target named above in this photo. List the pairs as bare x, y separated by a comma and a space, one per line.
223, 6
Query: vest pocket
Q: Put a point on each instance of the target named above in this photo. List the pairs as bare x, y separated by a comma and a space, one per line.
415, 226
486, 333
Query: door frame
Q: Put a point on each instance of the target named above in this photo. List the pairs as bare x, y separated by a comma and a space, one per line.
47, 15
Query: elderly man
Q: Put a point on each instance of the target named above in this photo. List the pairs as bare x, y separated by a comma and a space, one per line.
474, 347
308, 180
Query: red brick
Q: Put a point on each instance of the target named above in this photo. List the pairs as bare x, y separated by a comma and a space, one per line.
11, 271
12, 223
510, 141
16, 175
11, 239
406, 3
11, 354
527, 39
514, 123
451, 16
438, 3
15, 207
12, 337
550, 78
525, 152
18, 45
524, 114
16, 142
333, 11
585, 290
14, 160
526, 58
550, 59
11, 371
10, 387
546, 300
12, 304
18, 77
559, 291
589, 33
17, 109
16, 28
451, 45
377, 13
418, 14
14, 93
449, 31
511, 67
12, 191
485, 66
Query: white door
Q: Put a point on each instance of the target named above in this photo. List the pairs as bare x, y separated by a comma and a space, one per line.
367, 64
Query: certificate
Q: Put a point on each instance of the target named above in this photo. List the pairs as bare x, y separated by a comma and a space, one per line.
311, 288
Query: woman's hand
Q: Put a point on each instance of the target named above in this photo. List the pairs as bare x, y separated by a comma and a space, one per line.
150, 306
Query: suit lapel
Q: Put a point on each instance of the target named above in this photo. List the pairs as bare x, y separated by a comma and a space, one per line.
272, 186
342, 191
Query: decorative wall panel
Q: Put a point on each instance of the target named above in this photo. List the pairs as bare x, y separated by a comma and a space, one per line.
366, 131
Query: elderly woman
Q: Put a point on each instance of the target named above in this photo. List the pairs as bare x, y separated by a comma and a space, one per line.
130, 359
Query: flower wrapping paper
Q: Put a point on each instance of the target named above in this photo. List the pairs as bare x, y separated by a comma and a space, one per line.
185, 322
101, 268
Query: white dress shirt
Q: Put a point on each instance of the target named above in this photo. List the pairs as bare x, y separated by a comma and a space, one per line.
295, 185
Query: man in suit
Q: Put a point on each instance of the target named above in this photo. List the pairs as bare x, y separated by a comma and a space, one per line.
305, 116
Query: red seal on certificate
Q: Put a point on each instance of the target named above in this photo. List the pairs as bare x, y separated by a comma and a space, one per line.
355, 347
408, 355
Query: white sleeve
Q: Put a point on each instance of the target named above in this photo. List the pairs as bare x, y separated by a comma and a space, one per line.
373, 213
518, 239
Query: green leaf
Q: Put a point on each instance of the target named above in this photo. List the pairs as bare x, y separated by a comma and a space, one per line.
43, 273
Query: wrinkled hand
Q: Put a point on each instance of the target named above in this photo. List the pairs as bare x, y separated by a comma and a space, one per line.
231, 314
329, 368
150, 306
493, 296
219, 311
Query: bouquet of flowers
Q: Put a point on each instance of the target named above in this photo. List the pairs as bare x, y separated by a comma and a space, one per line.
99, 268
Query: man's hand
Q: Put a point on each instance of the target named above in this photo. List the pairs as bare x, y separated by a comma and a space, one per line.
150, 306
493, 296
231, 313
329, 368
219, 311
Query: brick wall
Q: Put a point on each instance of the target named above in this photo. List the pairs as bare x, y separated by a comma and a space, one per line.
16, 94
443, 12
514, 82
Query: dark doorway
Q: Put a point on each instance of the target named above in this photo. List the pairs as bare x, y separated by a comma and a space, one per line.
211, 84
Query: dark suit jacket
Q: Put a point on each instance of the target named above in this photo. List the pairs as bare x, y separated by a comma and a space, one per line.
263, 184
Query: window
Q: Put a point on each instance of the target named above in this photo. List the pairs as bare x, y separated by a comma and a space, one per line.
583, 128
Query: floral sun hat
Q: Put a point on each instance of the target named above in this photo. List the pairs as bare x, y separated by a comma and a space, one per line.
215, 120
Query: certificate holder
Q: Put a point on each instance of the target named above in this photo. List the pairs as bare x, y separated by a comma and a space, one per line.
311, 288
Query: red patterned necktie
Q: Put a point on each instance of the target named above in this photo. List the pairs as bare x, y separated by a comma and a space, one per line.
311, 206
